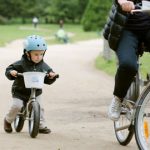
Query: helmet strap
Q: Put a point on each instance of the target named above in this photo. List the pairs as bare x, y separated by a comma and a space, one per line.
44, 53
28, 56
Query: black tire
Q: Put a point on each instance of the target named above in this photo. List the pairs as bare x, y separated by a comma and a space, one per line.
34, 119
124, 136
19, 122
142, 114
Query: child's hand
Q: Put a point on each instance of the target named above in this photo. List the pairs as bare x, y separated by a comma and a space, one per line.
13, 73
52, 75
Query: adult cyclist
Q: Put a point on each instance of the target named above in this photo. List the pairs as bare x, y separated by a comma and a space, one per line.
125, 33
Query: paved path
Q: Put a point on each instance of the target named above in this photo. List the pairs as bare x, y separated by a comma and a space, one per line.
75, 106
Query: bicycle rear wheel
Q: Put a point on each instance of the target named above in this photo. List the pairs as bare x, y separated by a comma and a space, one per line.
19, 121
142, 121
34, 119
123, 127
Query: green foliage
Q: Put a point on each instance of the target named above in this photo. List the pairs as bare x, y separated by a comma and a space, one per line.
95, 14
3, 20
51, 10
69, 11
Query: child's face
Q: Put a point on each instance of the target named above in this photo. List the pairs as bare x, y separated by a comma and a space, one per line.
37, 55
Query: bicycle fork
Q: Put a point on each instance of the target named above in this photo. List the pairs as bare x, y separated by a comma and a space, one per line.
31, 99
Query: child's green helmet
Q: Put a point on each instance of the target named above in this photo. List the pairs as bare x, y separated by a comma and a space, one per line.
34, 42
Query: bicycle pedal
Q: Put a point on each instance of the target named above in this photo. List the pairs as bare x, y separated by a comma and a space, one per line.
129, 104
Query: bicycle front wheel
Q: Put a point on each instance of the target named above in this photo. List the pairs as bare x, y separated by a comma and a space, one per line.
142, 121
123, 129
34, 119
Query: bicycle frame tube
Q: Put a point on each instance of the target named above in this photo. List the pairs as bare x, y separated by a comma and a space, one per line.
32, 99
143, 91
33, 91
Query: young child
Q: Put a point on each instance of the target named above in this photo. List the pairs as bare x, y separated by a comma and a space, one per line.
32, 60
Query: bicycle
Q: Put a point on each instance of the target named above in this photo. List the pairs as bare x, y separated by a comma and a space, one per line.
134, 115
31, 110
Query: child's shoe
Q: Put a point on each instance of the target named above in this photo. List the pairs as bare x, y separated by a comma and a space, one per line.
7, 126
44, 130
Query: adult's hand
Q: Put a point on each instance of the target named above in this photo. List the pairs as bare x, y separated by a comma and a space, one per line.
126, 5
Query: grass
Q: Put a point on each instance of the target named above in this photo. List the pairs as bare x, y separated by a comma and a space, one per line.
107, 66
110, 66
13, 32
145, 67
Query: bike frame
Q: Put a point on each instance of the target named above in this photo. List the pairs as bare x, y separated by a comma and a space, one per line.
31, 110
31, 99
129, 103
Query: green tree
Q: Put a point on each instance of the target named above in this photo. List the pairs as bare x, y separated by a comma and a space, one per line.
81, 7
95, 14
10, 8
22, 8
66, 10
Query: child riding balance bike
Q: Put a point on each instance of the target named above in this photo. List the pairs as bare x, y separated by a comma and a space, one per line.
31, 61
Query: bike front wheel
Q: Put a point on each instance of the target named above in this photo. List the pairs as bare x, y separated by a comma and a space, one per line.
34, 119
142, 121
124, 130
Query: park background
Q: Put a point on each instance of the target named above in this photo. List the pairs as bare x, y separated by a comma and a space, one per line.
83, 20
76, 104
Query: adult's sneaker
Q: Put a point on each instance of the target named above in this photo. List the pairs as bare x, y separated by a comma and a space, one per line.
114, 109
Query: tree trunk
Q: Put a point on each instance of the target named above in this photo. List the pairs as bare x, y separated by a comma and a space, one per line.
107, 52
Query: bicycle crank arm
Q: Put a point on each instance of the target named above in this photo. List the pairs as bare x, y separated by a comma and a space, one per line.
123, 128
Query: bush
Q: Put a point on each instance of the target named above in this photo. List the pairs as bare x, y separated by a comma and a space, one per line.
95, 14
3, 20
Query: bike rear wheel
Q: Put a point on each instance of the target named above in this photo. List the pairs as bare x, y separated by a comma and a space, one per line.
124, 129
142, 121
34, 119
19, 121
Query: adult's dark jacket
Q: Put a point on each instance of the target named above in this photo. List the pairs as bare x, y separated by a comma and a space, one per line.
115, 24
25, 65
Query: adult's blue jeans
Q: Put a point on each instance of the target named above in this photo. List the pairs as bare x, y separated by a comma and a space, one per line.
127, 57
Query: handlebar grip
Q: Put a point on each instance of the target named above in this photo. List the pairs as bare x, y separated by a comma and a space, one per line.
57, 76
136, 10
19, 74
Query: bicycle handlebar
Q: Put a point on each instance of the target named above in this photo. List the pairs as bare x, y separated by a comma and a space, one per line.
19, 74
140, 9
55, 77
